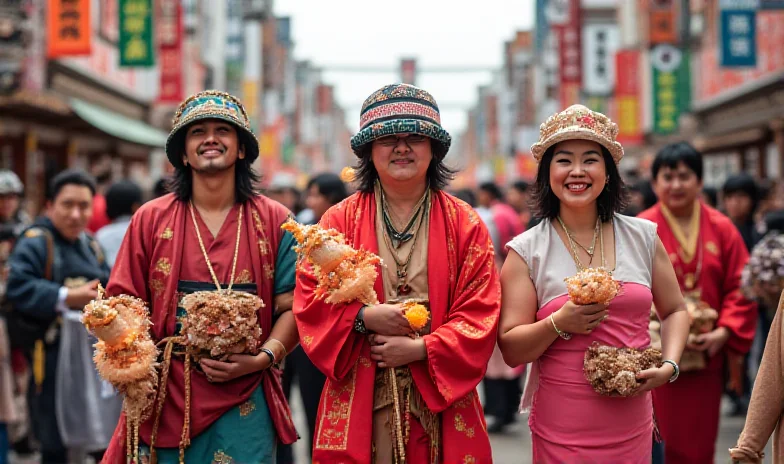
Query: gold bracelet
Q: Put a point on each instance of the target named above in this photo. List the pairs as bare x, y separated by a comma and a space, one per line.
284, 352
564, 335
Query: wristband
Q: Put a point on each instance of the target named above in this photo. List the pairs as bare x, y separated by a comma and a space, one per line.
674, 366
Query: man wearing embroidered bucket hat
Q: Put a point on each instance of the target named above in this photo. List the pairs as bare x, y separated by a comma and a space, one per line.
214, 231
437, 252
578, 193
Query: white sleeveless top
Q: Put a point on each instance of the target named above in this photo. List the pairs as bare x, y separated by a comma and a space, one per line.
550, 262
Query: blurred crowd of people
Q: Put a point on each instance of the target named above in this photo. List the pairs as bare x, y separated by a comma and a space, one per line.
78, 205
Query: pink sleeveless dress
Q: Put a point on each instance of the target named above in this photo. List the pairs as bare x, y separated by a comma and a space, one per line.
570, 423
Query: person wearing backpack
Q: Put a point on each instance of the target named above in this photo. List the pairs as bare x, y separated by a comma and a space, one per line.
54, 268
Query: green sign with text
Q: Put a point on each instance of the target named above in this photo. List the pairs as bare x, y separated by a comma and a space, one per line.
136, 34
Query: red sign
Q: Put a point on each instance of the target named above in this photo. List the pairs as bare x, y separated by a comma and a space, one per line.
408, 71
663, 21
713, 80
68, 28
627, 96
569, 55
169, 34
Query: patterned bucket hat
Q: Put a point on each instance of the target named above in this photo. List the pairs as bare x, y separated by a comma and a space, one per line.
397, 109
578, 123
210, 104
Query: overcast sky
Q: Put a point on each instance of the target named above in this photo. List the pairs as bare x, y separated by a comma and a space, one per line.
436, 32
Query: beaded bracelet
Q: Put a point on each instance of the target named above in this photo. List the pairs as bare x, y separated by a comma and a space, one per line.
564, 335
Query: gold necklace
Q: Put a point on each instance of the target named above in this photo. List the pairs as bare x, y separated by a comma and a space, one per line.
207, 258
575, 256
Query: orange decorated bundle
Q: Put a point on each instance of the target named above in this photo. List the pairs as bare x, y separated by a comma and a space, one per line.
613, 371
344, 274
125, 355
417, 315
223, 323
592, 286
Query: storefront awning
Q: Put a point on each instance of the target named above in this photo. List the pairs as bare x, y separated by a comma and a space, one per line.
117, 125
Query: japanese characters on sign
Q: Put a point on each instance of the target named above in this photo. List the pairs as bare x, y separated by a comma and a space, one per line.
671, 88
738, 36
136, 40
68, 28
169, 34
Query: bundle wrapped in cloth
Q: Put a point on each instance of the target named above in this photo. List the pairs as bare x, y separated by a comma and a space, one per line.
763, 276
125, 355
592, 286
702, 319
613, 371
219, 324
343, 273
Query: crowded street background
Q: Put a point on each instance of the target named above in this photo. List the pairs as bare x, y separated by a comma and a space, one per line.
89, 90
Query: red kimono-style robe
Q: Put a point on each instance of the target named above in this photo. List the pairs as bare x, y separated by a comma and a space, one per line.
687, 410
464, 295
149, 266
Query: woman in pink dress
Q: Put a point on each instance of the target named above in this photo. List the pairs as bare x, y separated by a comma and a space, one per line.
578, 192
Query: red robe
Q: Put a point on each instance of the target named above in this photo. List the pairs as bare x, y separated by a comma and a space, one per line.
464, 295
149, 266
687, 410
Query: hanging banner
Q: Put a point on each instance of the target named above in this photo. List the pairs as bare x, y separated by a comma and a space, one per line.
628, 96
738, 38
541, 26
136, 41
663, 25
169, 34
600, 42
68, 28
569, 55
671, 87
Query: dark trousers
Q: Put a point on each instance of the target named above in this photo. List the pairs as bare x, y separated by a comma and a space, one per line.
300, 369
502, 398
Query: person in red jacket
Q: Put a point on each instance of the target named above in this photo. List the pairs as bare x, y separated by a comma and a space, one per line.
708, 255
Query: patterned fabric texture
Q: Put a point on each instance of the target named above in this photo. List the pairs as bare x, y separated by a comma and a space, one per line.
578, 123
397, 109
210, 104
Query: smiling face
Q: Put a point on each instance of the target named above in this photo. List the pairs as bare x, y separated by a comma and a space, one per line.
211, 145
578, 173
402, 158
677, 187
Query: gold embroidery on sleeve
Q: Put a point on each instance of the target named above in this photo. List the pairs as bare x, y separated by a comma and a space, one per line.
335, 419
164, 266
156, 285
167, 234
307, 340
461, 426
243, 277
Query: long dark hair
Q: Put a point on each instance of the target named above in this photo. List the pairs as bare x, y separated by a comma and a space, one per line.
613, 198
438, 173
245, 178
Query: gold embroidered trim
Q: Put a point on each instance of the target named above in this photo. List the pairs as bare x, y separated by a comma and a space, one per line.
338, 415
221, 458
461, 426
244, 277
687, 247
164, 266
247, 407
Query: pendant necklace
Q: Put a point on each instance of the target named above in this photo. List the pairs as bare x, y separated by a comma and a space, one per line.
207, 258
403, 288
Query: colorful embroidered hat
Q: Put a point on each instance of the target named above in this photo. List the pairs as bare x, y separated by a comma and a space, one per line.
397, 109
210, 104
578, 123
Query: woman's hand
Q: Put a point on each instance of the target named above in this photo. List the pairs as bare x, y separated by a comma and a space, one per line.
235, 366
396, 351
655, 377
711, 342
386, 319
579, 319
